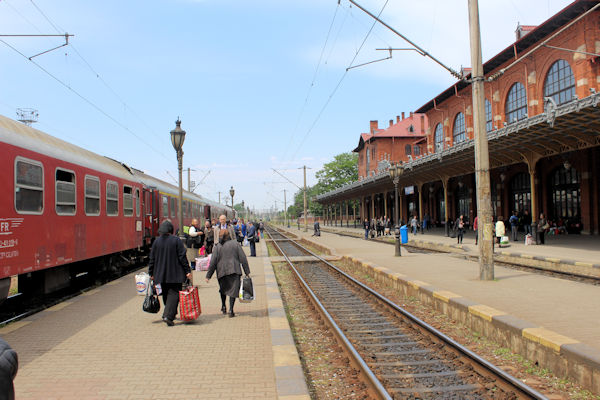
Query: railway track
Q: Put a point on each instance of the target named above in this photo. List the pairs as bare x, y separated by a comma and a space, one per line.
399, 356
521, 267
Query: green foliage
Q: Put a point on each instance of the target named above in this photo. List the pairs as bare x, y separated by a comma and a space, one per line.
337, 173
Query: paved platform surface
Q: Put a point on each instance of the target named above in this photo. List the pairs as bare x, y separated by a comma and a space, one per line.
568, 308
101, 345
581, 248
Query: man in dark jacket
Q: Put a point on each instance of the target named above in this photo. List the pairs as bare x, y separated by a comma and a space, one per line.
252, 233
9, 364
169, 266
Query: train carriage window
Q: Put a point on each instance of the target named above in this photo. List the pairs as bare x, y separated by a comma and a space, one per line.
127, 201
137, 202
165, 201
173, 207
92, 195
65, 192
112, 198
29, 186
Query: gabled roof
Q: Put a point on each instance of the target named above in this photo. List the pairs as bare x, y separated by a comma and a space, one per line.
561, 18
364, 137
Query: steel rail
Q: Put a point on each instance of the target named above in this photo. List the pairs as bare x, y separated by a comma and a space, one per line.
508, 379
377, 387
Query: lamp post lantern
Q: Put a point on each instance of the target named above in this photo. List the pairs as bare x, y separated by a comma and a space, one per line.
395, 171
244, 210
177, 139
231, 193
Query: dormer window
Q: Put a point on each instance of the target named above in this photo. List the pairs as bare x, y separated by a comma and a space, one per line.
411, 129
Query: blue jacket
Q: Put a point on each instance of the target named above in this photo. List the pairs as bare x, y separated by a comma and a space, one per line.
251, 232
514, 220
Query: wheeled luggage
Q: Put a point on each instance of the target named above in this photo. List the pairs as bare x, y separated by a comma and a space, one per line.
189, 303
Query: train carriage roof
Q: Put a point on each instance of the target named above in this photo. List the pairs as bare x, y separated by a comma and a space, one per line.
21, 135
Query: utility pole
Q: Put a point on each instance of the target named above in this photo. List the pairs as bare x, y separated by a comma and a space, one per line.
285, 208
305, 224
482, 156
189, 181
219, 197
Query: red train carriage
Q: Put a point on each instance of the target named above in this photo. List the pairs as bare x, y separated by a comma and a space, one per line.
62, 205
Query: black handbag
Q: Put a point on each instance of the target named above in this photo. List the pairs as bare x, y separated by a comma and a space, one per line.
151, 303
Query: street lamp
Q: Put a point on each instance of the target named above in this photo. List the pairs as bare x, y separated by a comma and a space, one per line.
395, 171
231, 193
177, 139
243, 210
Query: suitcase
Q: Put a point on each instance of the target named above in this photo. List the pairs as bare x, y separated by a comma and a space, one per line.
189, 304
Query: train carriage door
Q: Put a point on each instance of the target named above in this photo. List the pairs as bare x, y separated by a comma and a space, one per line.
150, 213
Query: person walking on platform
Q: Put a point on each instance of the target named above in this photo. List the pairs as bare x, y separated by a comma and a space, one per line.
223, 225
514, 225
526, 220
195, 237
209, 237
414, 225
226, 259
500, 229
459, 226
9, 364
261, 228
252, 233
169, 266
366, 228
541, 228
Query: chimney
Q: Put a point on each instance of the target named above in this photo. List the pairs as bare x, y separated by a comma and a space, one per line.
523, 30
402, 115
411, 114
397, 118
374, 126
391, 122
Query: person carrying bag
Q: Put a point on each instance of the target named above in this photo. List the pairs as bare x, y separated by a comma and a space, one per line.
169, 267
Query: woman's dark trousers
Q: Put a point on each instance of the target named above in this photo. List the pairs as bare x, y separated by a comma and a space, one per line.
541, 237
170, 293
252, 248
231, 302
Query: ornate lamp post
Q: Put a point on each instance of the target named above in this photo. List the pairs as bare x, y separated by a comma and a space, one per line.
177, 139
244, 210
395, 171
231, 193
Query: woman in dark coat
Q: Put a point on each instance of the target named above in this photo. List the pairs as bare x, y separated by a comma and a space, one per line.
226, 259
209, 236
169, 266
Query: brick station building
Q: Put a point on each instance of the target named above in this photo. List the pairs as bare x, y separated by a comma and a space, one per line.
542, 120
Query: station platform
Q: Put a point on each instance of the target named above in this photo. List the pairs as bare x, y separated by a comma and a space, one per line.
560, 315
101, 345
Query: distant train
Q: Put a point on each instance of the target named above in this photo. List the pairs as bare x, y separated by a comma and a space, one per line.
62, 206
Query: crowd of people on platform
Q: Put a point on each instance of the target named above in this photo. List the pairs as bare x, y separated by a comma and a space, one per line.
171, 261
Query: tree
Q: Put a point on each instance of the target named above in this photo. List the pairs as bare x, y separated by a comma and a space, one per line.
337, 173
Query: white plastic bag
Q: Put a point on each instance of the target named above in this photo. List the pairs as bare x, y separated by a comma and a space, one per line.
528, 239
245, 242
142, 280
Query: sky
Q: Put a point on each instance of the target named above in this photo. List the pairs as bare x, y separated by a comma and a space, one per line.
258, 85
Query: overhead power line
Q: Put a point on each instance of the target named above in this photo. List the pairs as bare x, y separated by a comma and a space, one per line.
92, 104
312, 126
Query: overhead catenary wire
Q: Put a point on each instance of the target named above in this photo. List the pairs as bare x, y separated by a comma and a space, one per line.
338, 84
314, 78
85, 99
96, 73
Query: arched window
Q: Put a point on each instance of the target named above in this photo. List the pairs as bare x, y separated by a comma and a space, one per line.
566, 193
520, 186
458, 131
488, 116
417, 150
407, 149
439, 137
560, 82
516, 103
